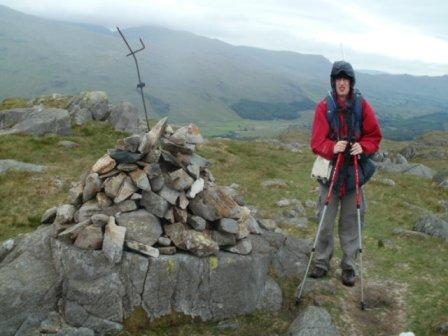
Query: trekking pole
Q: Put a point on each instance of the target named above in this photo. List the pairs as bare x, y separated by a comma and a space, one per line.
358, 210
327, 201
140, 84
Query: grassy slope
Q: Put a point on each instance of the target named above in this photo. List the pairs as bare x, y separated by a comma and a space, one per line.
416, 265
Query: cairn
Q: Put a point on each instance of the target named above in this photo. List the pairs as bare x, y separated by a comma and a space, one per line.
152, 194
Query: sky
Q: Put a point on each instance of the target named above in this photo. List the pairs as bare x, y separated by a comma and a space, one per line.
392, 36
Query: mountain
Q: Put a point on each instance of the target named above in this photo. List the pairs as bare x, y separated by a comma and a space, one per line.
189, 77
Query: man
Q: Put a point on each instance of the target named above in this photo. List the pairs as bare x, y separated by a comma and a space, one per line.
338, 128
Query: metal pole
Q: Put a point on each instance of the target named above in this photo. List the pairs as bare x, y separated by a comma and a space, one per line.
140, 84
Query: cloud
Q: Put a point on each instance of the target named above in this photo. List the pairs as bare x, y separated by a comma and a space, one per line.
368, 32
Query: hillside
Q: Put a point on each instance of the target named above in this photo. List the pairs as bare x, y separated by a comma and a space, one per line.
406, 274
189, 77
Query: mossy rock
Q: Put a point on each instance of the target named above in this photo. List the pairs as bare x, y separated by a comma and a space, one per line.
14, 102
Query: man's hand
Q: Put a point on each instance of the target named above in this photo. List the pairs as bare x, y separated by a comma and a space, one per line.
340, 147
356, 149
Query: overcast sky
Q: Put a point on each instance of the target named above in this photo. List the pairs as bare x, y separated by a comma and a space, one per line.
395, 36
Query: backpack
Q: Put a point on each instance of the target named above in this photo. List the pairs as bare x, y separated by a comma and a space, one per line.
366, 166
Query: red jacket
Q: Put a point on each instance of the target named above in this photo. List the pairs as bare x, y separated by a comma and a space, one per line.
321, 143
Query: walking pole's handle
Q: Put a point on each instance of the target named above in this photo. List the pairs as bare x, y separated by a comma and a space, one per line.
358, 194
333, 178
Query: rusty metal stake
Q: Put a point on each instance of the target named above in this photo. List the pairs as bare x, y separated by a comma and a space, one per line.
140, 84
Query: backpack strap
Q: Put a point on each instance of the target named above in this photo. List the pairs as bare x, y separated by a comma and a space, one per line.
359, 114
332, 115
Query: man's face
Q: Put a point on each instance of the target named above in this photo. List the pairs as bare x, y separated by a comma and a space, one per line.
342, 86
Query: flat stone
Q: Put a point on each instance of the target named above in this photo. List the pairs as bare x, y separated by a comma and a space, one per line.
113, 184
274, 183
153, 156
87, 210
193, 241
149, 140
187, 134
68, 144
90, 238
113, 172
72, 232
169, 194
180, 180
136, 196
432, 225
124, 156
127, 167
141, 226
243, 246
140, 179
113, 241
154, 203
193, 170
196, 222
104, 165
126, 190
170, 158
142, 248
167, 250
196, 188
227, 225
49, 215
253, 226
176, 148
92, 187
153, 170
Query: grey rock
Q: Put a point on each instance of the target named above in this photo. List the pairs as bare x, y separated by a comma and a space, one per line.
104, 165
127, 188
243, 246
400, 159
271, 298
40, 121
28, 281
310, 204
421, 170
164, 241
223, 238
97, 103
442, 328
180, 215
196, 188
157, 183
228, 325
124, 156
196, 222
136, 196
300, 222
167, 250
70, 331
291, 258
5, 248
102, 200
71, 233
124, 117
193, 170
187, 134
89, 238
87, 210
274, 183
142, 248
140, 179
52, 324
432, 225
153, 170
113, 184
99, 220
113, 241
409, 233
129, 144
92, 187
169, 194
49, 215
227, 225
190, 240
268, 224
180, 180
287, 202
141, 226
154, 203
314, 321
7, 164
65, 214
68, 144
174, 148
169, 215
127, 167
182, 201
444, 184
253, 226
75, 194
80, 116
150, 139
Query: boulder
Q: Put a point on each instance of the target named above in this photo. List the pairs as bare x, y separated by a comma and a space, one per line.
313, 321
113, 241
142, 226
7, 164
97, 103
124, 117
154, 203
150, 139
432, 225
89, 238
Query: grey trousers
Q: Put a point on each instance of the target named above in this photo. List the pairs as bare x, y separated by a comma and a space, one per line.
348, 229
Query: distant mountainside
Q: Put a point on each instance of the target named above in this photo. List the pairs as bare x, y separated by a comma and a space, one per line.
189, 77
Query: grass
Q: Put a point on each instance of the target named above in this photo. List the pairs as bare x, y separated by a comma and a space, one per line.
416, 265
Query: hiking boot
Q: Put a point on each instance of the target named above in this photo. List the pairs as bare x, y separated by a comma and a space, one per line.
318, 272
348, 277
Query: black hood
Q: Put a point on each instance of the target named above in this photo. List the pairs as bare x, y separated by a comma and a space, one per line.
342, 69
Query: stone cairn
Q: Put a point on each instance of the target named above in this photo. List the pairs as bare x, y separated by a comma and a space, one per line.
154, 195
